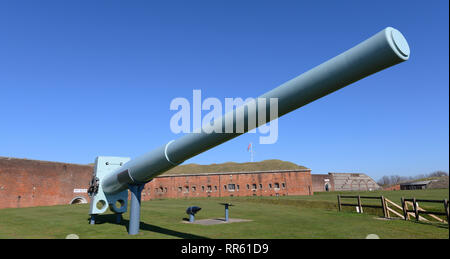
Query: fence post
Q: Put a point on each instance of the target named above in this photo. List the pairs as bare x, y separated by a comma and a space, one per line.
405, 213
383, 204
446, 209
359, 204
339, 202
416, 210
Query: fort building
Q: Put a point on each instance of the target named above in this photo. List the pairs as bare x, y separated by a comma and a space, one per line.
28, 183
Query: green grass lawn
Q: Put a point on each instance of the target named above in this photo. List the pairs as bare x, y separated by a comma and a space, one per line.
272, 217
395, 196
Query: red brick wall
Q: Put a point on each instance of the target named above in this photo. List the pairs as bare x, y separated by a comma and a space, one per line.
184, 186
26, 183
319, 180
392, 188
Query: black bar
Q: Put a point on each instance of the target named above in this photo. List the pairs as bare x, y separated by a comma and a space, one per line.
417, 200
436, 201
431, 212
362, 197
348, 204
370, 197
372, 206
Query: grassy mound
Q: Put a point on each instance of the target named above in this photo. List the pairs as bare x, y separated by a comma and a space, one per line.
265, 165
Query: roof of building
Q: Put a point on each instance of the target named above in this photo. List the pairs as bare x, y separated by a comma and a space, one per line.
169, 174
249, 172
418, 183
41, 161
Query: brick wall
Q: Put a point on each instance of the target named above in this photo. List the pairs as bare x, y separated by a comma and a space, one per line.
27, 183
268, 183
320, 180
392, 188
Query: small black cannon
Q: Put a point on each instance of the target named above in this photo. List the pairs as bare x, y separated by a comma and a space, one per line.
191, 211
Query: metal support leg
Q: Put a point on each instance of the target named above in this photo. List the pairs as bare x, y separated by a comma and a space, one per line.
135, 208
92, 219
118, 218
226, 213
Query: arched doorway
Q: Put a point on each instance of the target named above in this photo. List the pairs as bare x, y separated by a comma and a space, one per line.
78, 200
327, 187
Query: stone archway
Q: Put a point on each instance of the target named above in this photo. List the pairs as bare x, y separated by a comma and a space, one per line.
363, 185
78, 200
354, 184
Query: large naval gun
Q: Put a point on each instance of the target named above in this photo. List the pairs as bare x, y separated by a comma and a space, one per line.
114, 176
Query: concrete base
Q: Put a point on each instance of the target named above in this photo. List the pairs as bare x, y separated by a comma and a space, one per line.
207, 222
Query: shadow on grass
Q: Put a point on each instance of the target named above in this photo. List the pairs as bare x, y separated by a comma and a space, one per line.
111, 219
435, 224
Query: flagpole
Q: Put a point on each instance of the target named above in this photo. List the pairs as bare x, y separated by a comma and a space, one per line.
251, 152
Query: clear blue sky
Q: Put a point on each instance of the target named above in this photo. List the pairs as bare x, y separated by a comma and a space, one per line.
80, 79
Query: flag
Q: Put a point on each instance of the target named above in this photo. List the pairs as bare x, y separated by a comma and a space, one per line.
249, 146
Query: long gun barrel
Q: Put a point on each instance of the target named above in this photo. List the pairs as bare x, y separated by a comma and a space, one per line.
114, 175
384, 49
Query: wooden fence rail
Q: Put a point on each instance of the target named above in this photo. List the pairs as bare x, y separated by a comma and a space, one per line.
416, 211
359, 204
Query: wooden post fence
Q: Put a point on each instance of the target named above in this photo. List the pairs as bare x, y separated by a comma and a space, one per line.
416, 211
387, 202
339, 202
405, 209
446, 209
360, 204
383, 204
